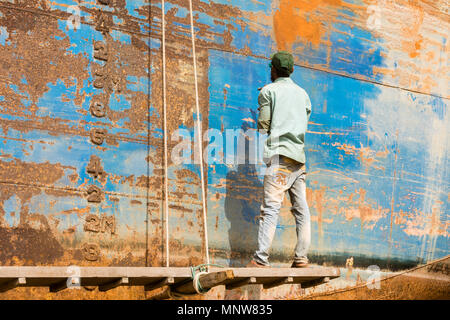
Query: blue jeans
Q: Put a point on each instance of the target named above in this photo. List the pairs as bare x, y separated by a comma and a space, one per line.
286, 175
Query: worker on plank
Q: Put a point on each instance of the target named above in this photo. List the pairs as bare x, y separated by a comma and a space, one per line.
284, 110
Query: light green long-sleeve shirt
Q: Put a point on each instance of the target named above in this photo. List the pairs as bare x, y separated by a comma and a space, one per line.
284, 110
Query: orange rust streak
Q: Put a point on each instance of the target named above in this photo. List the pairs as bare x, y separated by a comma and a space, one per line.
76, 210
292, 21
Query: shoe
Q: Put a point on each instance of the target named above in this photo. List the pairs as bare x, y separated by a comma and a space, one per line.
254, 264
300, 264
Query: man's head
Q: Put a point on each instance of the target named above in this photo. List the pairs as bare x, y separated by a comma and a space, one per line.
282, 65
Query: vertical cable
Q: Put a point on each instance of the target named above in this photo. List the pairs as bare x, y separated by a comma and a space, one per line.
166, 189
200, 135
149, 84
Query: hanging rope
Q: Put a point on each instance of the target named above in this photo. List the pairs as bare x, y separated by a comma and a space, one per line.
199, 130
166, 182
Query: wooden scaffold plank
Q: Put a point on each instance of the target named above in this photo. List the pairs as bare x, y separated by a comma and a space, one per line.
174, 278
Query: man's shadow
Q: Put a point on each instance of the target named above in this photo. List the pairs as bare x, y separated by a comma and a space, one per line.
244, 195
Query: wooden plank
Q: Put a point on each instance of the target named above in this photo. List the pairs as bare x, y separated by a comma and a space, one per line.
159, 283
11, 284
207, 281
240, 283
113, 284
314, 272
95, 272
55, 277
278, 282
161, 272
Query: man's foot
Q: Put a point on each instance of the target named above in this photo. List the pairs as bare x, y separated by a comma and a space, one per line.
300, 264
255, 264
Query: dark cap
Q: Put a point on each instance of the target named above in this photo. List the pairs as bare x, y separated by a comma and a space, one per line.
283, 60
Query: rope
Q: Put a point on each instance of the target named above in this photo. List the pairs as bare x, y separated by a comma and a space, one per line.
196, 272
166, 188
199, 130
197, 285
365, 284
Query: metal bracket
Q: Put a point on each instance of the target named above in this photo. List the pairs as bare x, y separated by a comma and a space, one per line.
159, 283
113, 284
12, 284
240, 283
277, 283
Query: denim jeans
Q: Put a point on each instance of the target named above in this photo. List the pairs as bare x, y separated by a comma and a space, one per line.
281, 176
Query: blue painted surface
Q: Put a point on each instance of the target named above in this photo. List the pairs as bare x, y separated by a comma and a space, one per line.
377, 155
344, 122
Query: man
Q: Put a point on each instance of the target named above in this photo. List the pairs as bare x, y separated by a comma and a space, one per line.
284, 110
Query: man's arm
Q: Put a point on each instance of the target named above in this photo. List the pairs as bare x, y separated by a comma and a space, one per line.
265, 110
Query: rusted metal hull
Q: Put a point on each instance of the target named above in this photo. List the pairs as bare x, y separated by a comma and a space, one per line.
81, 153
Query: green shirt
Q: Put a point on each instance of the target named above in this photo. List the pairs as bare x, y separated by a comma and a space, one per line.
284, 110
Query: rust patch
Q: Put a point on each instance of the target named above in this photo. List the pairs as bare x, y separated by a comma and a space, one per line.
353, 205
28, 244
404, 287
180, 208
43, 59
15, 177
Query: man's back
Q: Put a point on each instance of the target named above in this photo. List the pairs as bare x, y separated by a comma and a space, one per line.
284, 112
